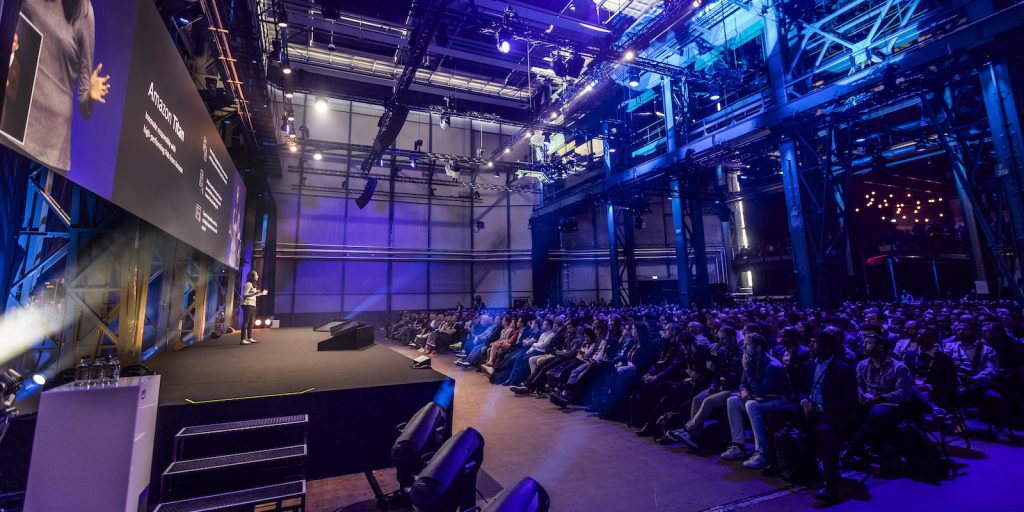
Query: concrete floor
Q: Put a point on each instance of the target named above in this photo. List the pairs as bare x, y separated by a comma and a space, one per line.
588, 464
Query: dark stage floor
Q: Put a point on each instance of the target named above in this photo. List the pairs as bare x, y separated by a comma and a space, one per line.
285, 361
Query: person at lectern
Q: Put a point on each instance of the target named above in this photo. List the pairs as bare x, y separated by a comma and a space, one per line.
65, 75
249, 294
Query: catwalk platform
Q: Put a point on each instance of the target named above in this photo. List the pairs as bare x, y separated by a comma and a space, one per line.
354, 399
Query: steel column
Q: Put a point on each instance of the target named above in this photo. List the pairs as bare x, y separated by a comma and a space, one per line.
795, 219
1004, 122
682, 258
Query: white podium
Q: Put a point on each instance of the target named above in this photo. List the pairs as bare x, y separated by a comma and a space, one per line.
93, 447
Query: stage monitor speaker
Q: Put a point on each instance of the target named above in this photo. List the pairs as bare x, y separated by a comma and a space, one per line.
351, 336
421, 362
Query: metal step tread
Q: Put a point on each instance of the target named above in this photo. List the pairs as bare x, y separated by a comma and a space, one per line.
236, 498
235, 459
236, 426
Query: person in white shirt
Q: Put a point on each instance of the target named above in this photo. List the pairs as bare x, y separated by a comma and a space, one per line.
249, 294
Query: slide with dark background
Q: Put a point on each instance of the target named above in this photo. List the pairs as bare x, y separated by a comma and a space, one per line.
150, 147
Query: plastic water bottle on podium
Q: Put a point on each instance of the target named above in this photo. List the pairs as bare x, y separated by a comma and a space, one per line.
113, 369
83, 372
98, 373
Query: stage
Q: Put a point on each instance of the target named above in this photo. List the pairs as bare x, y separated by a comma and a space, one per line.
354, 399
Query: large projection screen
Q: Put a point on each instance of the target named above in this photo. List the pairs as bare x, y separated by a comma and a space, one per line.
97, 91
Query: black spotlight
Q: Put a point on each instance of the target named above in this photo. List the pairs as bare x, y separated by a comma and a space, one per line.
418, 145
368, 190
525, 496
448, 482
420, 437
558, 66
574, 66
330, 9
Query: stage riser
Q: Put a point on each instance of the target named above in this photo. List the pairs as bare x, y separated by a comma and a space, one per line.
350, 430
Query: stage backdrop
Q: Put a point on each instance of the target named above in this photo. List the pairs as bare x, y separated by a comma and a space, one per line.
97, 91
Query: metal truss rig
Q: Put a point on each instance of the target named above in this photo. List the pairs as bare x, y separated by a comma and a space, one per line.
109, 284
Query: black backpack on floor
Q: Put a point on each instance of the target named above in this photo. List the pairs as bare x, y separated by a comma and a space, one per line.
925, 460
796, 460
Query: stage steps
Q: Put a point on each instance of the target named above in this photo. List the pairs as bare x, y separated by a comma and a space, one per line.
235, 459
269, 475
276, 493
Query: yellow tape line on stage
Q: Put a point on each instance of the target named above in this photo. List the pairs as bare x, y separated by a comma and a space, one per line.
189, 400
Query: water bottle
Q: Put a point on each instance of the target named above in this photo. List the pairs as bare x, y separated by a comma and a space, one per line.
99, 368
113, 369
83, 372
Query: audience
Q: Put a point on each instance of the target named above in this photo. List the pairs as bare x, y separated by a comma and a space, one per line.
847, 377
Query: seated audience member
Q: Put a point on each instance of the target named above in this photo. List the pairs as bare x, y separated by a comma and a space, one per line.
505, 366
625, 372
512, 328
726, 365
827, 391
534, 348
791, 353
563, 347
695, 377
906, 349
764, 389
580, 376
484, 341
657, 379
886, 394
447, 334
977, 366
559, 374
935, 372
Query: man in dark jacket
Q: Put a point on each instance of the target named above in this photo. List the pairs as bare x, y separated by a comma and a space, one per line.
791, 353
764, 390
827, 392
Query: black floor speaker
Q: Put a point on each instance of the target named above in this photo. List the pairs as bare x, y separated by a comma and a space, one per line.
350, 336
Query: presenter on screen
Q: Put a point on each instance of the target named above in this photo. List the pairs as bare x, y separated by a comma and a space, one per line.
249, 294
65, 76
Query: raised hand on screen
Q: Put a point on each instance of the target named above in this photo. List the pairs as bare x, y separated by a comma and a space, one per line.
99, 86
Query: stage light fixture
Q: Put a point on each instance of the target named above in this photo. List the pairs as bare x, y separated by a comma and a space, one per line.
503, 40
258, 323
281, 16
634, 79
490, 164
317, 155
286, 68
418, 145
445, 122
291, 135
508, 150
574, 65
558, 66
293, 148
289, 95
320, 104
39, 379
290, 116
696, 3
368, 190
553, 115
497, 174
714, 92
628, 55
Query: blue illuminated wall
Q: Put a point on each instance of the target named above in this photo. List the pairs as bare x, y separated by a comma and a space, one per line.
334, 258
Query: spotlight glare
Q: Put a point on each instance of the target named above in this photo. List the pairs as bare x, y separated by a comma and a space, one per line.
554, 114
320, 105
318, 155
39, 379
490, 164
259, 323
508, 150
628, 55
293, 148
289, 95
286, 69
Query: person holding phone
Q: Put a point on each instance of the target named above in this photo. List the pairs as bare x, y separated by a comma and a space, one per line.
249, 294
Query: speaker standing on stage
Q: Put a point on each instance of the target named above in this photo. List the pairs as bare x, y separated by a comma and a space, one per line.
249, 294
